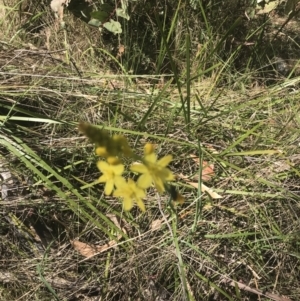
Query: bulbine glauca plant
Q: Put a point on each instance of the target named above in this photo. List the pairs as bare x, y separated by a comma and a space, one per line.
151, 170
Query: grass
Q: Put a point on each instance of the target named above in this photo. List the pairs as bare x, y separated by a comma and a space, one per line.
242, 246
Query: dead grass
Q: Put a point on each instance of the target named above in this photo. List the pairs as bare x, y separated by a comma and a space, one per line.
243, 246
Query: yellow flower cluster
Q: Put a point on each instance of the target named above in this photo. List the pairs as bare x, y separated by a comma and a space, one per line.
151, 170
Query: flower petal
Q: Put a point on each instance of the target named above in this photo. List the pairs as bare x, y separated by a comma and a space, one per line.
101, 151
144, 181
118, 193
152, 158
102, 166
141, 204
113, 160
164, 161
169, 176
120, 182
140, 168
149, 148
140, 193
131, 183
102, 179
117, 169
159, 185
109, 187
127, 204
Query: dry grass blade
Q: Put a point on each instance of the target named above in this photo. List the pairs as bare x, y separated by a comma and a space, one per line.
247, 288
176, 77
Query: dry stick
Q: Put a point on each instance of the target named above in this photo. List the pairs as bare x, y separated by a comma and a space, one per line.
258, 292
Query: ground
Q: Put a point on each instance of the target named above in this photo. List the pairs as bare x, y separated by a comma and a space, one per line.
231, 126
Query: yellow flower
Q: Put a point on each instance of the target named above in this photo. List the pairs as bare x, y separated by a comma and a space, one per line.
111, 175
113, 160
130, 193
153, 170
101, 151
149, 148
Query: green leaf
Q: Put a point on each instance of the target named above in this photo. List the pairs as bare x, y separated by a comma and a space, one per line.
122, 13
100, 15
113, 26
95, 23
267, 7
106, 7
